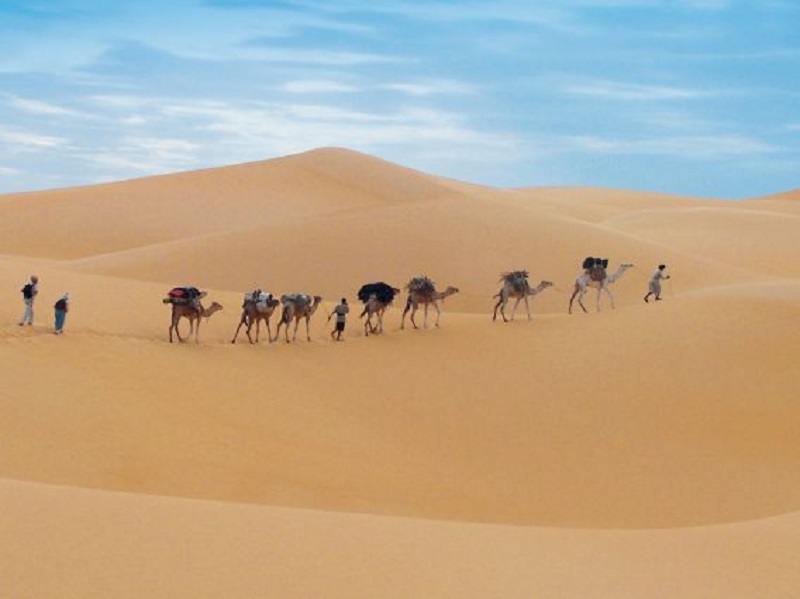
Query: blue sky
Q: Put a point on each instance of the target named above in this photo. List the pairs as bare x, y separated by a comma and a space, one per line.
698, 97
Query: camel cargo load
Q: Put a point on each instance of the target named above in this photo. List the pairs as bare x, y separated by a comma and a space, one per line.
421, 284
382, 292
298, 300
261, 299
183, 295
518, 279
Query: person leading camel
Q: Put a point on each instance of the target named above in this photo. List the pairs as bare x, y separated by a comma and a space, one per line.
341, 312
654, 288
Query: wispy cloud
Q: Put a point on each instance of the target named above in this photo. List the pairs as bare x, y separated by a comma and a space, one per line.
318, 86
39, 107
432, 88
615, 90
719, 147
28, 140
6, 171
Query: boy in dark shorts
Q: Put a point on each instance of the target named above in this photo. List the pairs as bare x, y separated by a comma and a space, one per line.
341, 317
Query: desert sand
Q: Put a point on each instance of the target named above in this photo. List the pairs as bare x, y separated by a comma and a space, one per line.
647, 451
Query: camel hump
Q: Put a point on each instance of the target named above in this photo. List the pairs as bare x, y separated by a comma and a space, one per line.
421, 284
383, 292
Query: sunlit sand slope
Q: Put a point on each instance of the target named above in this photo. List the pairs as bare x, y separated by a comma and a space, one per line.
650, 450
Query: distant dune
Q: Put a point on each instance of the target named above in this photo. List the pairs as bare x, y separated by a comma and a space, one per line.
645, 451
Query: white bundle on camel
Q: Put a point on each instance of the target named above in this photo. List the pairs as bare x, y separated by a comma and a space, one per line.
261, 299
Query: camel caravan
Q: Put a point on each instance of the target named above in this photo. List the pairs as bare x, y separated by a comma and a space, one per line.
258, 306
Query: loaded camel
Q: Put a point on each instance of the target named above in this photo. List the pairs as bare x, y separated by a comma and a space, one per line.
193, 312
516, 285
586, 280
421, 291
257, 306
377, 297
297, 306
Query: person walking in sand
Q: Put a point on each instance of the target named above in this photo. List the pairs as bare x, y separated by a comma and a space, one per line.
654, 287
341, 318
61, 309
29, 292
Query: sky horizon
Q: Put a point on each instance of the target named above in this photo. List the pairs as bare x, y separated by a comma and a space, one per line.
691, 97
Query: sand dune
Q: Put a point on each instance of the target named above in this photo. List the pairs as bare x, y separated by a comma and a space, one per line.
477, 459
101, 544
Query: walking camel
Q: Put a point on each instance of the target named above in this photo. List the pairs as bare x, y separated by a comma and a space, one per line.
254, 311
192, 312
584, 281
297, 306
421, 291
515, 284
377, 297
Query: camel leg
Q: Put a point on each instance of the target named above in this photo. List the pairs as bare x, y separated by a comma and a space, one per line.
414, 309
269, 329
236, 334
599, 294
574, 293
610, 298
500, 304
308, 332
580, 300
197, 330
425, 320
405, 311
528, 307
514, 309
178, 330
296, 324
438, 312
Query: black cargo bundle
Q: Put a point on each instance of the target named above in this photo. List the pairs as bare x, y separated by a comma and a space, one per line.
383, 292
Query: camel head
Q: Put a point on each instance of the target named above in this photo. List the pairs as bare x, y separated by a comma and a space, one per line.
545, 284
449, 291
214, 307
316, 304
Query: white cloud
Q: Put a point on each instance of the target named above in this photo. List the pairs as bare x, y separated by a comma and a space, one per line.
41, 107
431, 88
613, 90
7, 171
318, 86
27, 140
709, 147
